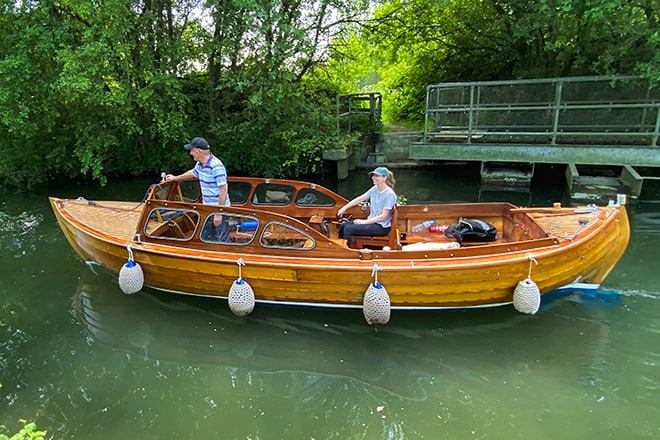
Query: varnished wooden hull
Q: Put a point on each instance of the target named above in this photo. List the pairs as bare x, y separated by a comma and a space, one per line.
332, 275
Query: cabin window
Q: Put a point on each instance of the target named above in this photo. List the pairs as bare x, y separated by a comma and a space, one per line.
161, 192
229, 229
239, 192
313, 197
189, 191
273, 194
175, 224
279, 235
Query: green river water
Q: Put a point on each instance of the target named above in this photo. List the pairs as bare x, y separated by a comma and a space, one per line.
88, 362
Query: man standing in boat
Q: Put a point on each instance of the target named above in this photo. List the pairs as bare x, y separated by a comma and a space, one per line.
382, 200
212, 177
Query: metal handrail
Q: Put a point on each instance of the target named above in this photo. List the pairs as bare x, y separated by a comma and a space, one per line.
557, 117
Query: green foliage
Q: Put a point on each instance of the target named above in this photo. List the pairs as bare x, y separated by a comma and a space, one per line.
29, 110
280, 131
410, 44
27, 432
567, 37
113, 88
104, 89
86, 90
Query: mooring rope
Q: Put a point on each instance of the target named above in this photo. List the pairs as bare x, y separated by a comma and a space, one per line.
240, 263
374, 272
111, 208
531, 260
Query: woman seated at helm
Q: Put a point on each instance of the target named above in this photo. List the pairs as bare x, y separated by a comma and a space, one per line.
382, 200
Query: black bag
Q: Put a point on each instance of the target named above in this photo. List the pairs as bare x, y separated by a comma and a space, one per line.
471, 230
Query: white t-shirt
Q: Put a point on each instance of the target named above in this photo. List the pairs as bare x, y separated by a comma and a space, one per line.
379, 200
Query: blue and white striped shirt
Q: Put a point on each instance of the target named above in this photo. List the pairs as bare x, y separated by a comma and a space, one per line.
212, 176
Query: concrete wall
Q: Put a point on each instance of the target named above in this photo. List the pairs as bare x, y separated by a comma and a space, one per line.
395, 145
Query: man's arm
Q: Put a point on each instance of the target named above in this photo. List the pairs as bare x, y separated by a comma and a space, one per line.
222, 198
188, 174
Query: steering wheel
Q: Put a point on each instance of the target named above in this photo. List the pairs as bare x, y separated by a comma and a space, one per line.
344, 218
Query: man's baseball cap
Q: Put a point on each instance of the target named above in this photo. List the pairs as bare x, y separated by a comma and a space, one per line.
197, 142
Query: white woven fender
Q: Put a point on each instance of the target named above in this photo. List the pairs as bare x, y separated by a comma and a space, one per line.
131, 278
376, 304
527, 297
241, 298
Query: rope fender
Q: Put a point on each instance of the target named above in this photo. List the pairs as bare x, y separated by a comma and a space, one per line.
131, 277
241, 296
376, 301
527, 296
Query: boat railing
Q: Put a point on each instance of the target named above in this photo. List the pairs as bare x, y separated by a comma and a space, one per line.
609, 110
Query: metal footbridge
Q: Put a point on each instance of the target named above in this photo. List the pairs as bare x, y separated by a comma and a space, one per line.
578, 121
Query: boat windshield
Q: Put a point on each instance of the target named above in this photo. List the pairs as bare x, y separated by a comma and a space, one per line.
314, 197
188, 191
239, 192
273, 194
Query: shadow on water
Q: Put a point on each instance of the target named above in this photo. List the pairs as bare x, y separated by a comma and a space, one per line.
415, 347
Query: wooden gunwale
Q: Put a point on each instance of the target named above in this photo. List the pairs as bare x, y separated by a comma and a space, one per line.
480, 251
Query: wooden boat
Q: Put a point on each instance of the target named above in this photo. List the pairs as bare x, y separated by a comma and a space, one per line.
284, 246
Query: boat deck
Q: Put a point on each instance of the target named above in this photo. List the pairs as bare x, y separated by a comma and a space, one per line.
565, 224
118, 219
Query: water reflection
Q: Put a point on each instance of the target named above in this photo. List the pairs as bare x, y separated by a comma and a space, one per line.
17, 232
313, 350
647, 223
108, 366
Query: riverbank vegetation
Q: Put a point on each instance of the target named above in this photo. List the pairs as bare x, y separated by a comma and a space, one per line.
100, 90
29, 431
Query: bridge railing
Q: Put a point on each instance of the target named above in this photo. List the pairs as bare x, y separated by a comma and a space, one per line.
617, 110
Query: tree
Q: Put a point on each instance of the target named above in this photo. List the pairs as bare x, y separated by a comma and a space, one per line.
115, 87
422, 42
91, 82
273, 121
